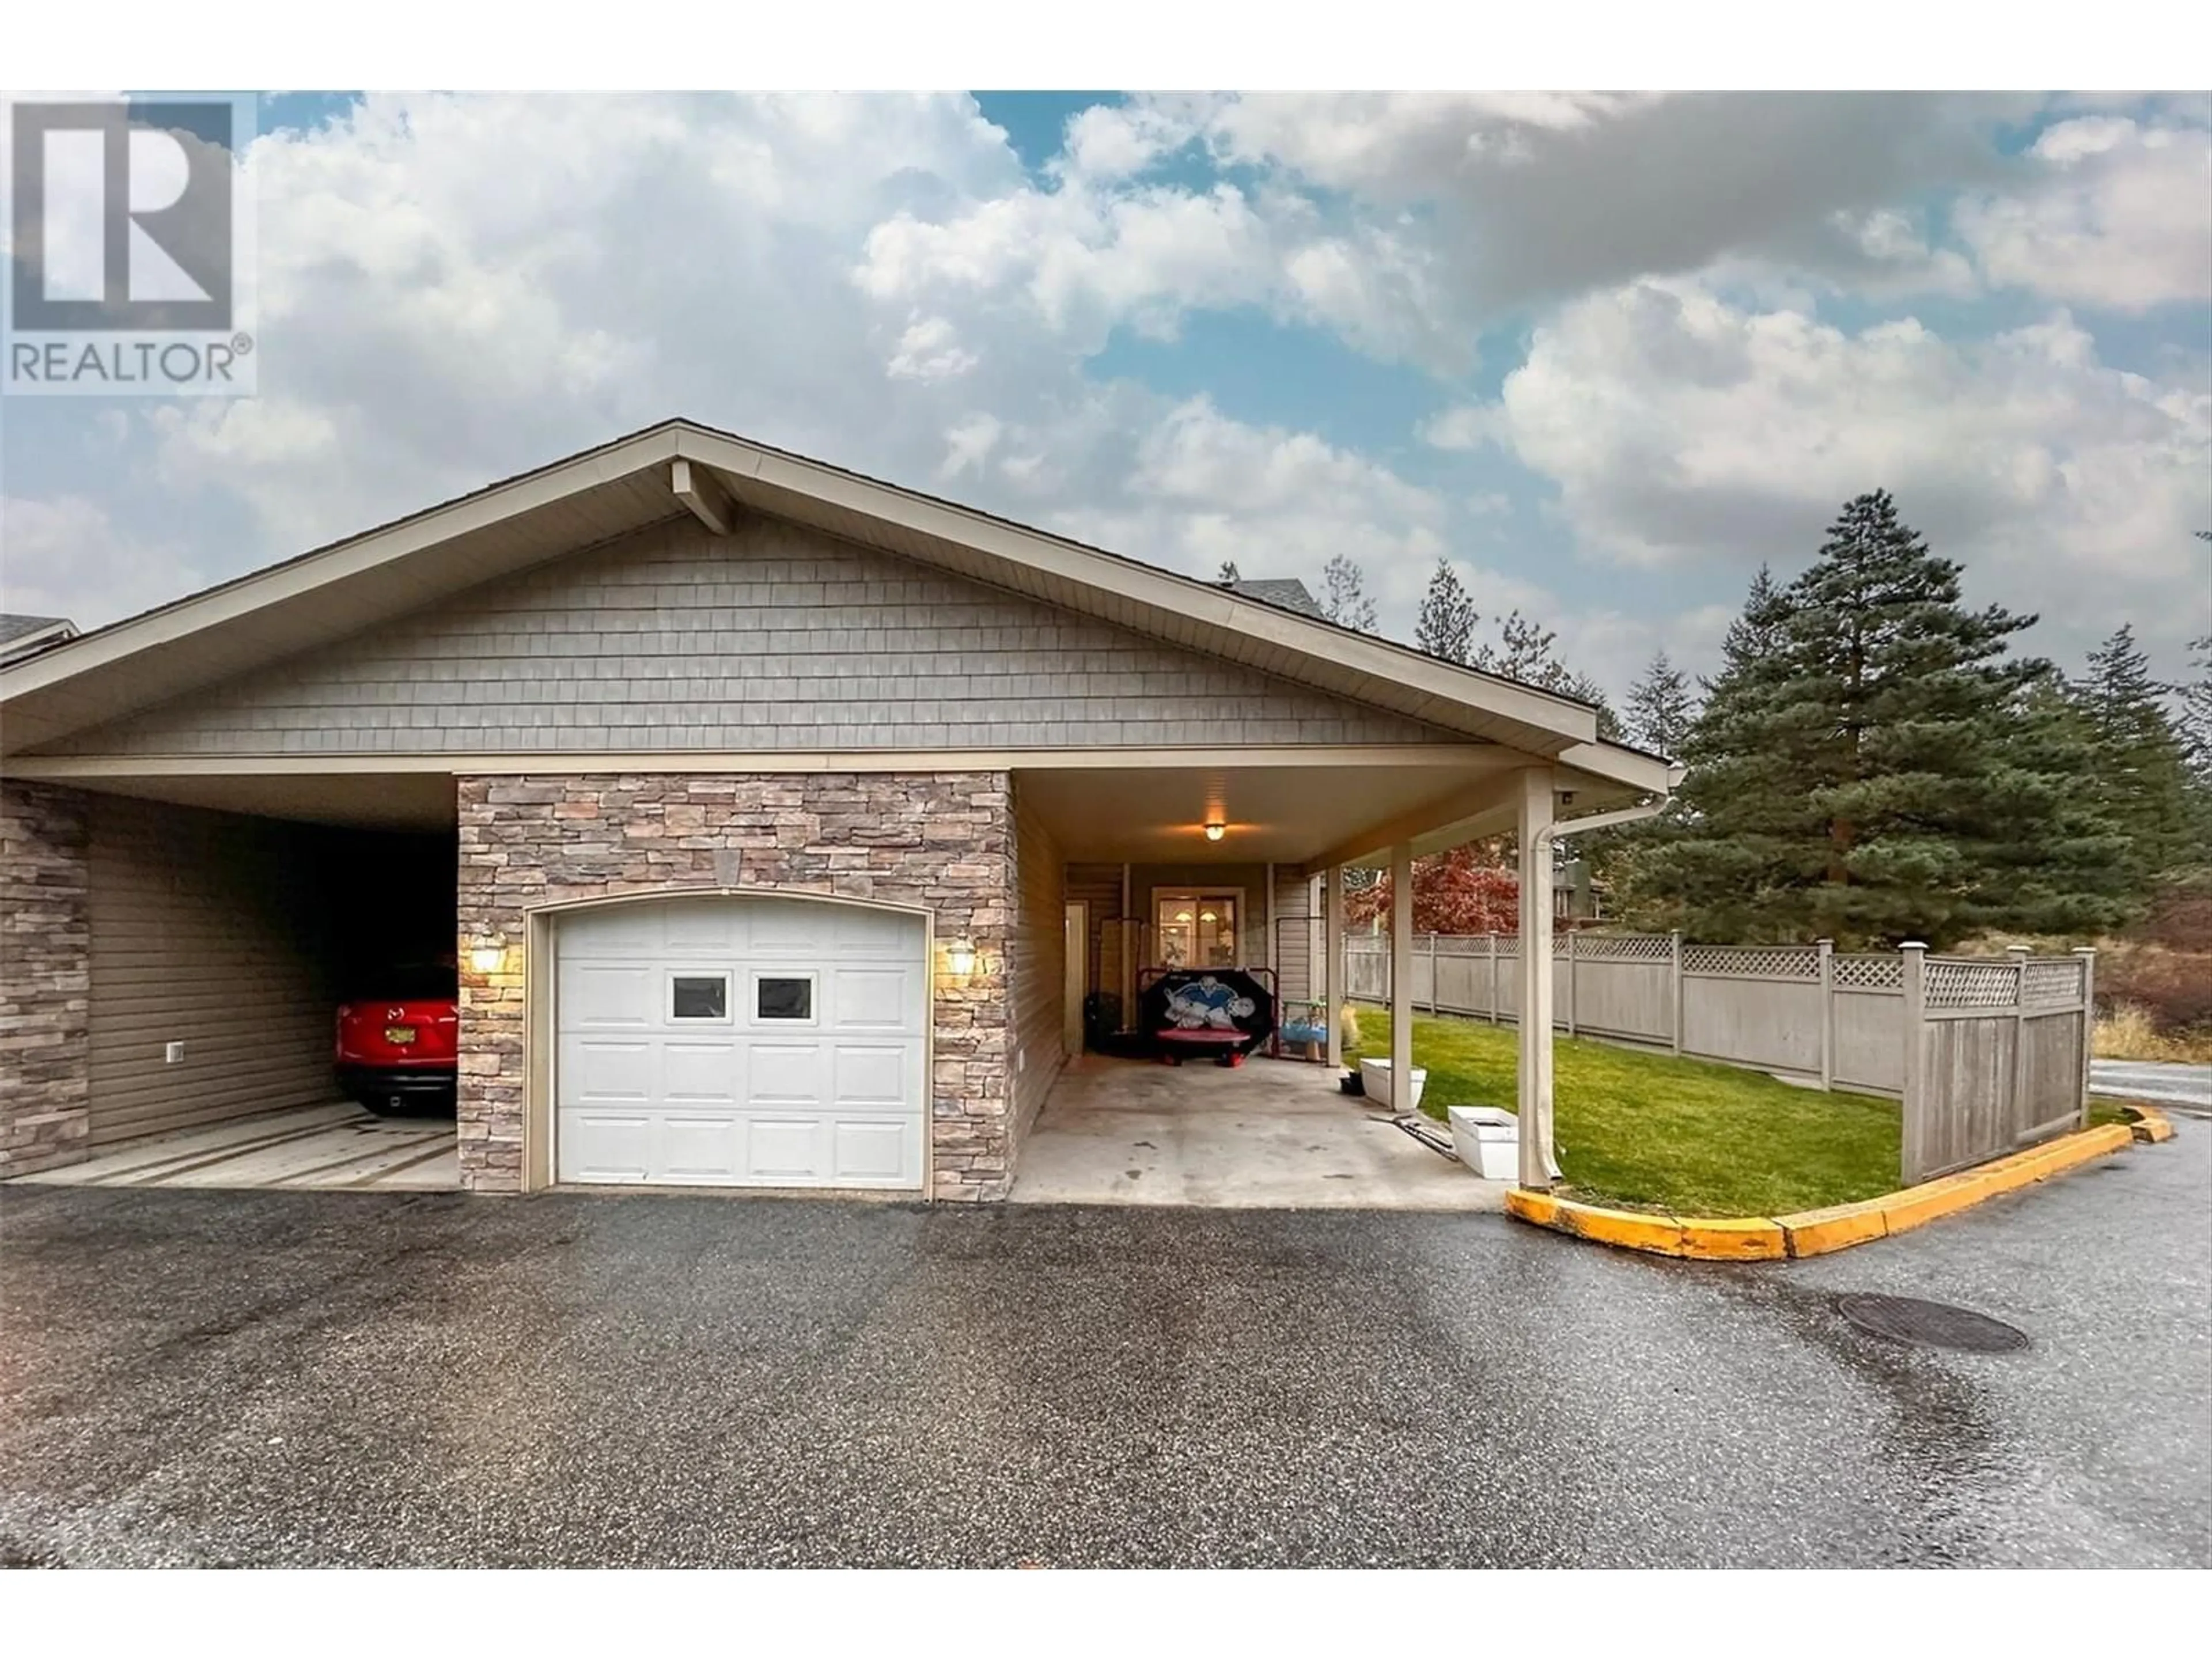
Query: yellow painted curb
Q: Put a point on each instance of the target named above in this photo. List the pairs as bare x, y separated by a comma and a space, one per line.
1817, 1232
1698, 1238
2150, 1125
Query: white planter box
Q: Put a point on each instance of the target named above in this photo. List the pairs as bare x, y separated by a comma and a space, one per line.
1374, 1078
1488, 1141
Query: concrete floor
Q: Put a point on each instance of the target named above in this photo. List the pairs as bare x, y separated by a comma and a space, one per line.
339, 1144
1269, 1134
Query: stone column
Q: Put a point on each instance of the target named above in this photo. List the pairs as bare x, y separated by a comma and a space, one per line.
45, 978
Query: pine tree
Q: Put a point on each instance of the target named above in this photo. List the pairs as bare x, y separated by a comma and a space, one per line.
2196, 715
2069, 875
1757, 631
2141, 772
1659, 707
1871, 766
1445, 627
1528, 652
1344, 594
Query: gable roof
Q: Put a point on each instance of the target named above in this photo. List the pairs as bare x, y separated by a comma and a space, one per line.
607, 492
20, 635
1285, 594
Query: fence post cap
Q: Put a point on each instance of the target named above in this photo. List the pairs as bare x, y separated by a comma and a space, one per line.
2085, 950
1912, 944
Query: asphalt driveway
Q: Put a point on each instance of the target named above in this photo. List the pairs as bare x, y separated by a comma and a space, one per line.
2167, 1083
297, 1378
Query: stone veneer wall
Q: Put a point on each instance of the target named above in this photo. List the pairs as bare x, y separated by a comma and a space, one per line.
45, 978
943, 841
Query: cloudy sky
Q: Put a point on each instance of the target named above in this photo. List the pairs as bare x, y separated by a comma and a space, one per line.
1605, 353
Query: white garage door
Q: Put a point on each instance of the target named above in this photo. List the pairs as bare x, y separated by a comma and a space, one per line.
740, 1042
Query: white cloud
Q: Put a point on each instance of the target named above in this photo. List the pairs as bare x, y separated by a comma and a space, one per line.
56, 553
930, 350
2119, 214
1113, 140
1202, 488
1681, 430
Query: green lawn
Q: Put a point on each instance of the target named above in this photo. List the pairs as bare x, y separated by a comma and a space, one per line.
1651, 1131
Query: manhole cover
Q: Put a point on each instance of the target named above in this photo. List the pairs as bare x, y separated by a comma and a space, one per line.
1935, 1324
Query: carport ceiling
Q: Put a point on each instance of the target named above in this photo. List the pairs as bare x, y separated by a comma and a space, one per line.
358, 800
1279, 814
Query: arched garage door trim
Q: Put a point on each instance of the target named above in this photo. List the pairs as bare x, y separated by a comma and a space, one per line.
542, 1022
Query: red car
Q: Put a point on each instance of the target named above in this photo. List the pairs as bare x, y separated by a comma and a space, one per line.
397, 1048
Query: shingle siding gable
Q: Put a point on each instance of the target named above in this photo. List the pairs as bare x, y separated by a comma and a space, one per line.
774, 638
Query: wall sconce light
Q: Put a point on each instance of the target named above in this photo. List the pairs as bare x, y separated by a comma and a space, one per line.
1215, 831
960, 958
487, 955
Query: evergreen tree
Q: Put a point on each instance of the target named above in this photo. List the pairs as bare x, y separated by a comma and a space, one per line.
1871, 766
2195, 718
1659, 708
2061, 860
1757, 631
1528, 652
1344, 594
1445, 627
2141, 772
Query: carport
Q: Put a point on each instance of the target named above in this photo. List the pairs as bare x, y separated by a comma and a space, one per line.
753, 797
227, 917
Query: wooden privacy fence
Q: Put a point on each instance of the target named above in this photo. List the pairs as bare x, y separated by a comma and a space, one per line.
1987, 1055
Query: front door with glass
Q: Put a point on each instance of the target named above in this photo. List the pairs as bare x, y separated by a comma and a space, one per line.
1195, 930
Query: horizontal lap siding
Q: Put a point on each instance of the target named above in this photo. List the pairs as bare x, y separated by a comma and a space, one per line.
1040, 964
206, 928
773, 639
1097, 888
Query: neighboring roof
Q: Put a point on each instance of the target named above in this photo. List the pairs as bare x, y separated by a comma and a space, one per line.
603, 493
22, 635
1285, 594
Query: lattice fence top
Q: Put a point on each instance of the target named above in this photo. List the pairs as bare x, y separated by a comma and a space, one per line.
1955, 984
1868, 972
1752, 962
1623, 947
2049, 981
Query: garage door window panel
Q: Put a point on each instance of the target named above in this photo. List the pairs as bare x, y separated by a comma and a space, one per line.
783, 998
698, 999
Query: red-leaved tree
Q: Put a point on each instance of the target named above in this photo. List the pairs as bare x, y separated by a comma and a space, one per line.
1462, 891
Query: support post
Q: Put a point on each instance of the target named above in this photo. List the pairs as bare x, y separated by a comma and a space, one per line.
1333, 952
1402, 979
1533, 1076
2019, 955
1570, 979
2088, 955
1274, 952
1827, 950
1912, 1154
1675, 939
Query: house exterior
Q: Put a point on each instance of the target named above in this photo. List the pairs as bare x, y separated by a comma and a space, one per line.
779, 819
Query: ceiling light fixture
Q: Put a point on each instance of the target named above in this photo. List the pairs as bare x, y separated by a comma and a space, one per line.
1215, 831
